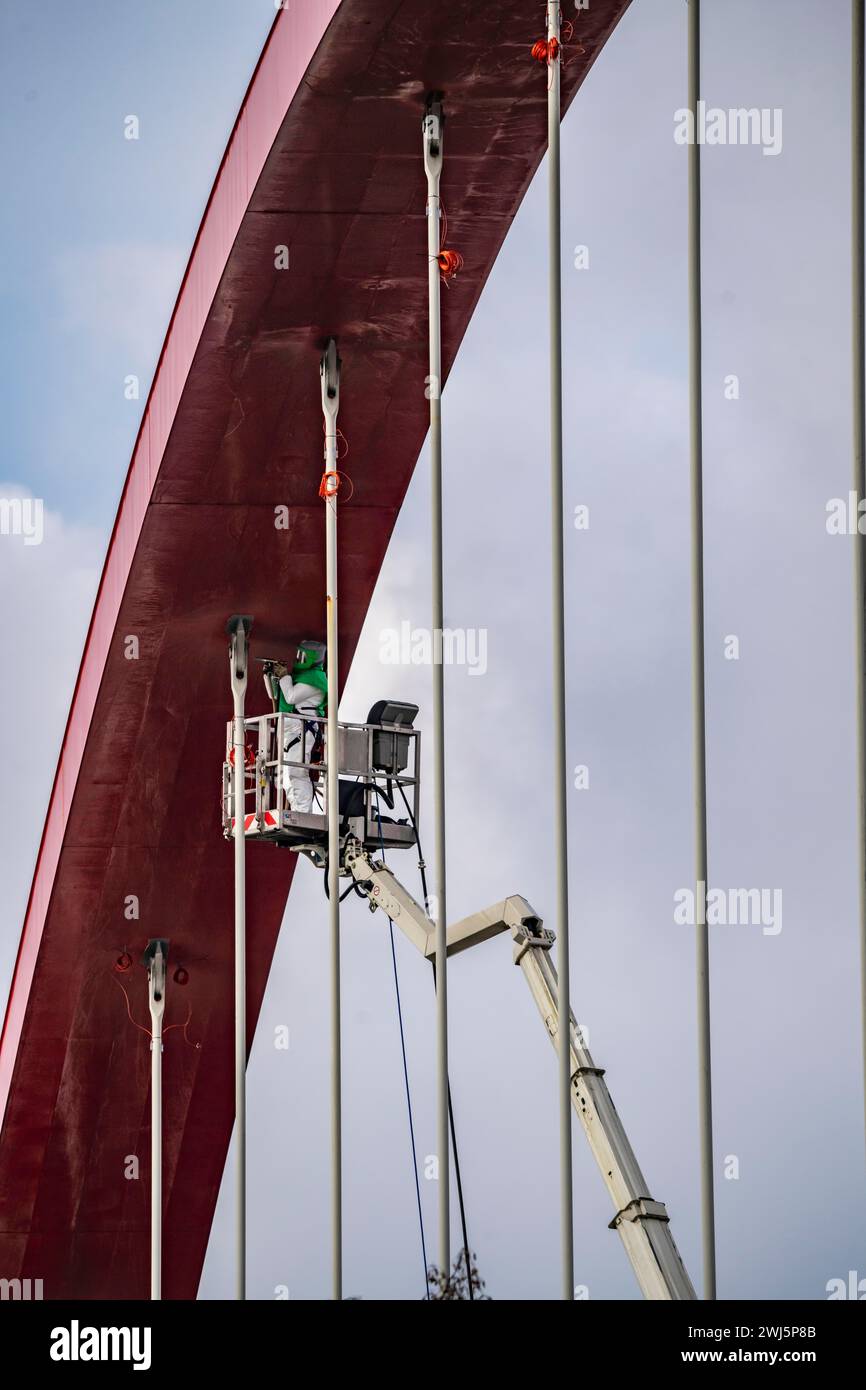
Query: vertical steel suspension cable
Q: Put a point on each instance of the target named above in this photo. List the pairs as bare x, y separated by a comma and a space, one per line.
238, 629
330, 377
859, 402
560, 784
705, 1094
432, 144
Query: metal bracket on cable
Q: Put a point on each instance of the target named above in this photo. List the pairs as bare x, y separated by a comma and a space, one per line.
329, 370
238, 627
433, 128
154, 960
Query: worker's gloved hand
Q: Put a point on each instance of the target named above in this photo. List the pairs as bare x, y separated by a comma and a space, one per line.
279, 670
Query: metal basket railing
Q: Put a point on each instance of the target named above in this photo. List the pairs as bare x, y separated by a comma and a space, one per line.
381, 760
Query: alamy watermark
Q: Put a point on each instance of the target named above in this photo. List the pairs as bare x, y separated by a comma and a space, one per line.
729, 907
419, 646
853, 1288
846, 516
23, 516
77, 1343
738, 125
21, 1290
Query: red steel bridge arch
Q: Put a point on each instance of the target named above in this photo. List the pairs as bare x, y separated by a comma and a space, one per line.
325, 158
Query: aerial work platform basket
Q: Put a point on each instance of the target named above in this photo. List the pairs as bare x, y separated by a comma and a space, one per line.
379, 779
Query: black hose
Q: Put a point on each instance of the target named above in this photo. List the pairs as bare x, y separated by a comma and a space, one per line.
352, 888
422, 867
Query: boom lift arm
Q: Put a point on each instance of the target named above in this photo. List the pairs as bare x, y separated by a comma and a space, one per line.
642, 1222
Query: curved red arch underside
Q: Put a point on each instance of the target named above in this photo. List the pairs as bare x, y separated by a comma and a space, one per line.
324, 159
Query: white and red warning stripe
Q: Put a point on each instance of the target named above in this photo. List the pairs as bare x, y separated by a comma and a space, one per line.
252, 828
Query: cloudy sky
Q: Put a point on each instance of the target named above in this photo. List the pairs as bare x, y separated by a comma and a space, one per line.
96, 231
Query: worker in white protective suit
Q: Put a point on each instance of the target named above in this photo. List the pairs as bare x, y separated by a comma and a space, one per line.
303, 692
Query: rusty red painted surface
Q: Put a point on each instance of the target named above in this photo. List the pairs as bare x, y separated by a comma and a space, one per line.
324, 159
